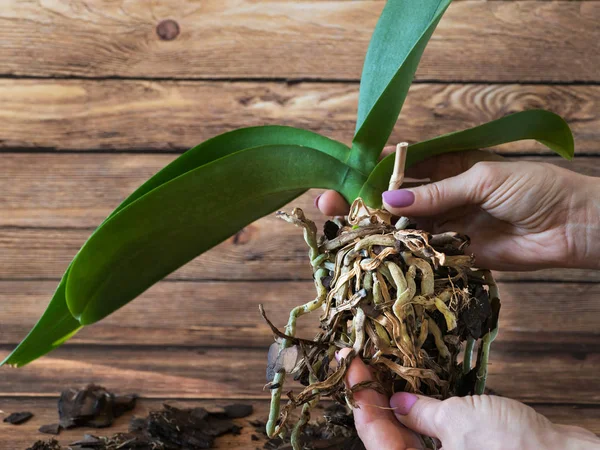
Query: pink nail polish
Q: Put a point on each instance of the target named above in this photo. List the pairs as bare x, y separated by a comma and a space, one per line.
399, 199
338, 358
402, 402
317, 200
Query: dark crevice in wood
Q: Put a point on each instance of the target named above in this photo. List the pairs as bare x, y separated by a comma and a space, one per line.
228, 400
103, 151
151, 347
180, 150
185, 79
571, 405
290, 280
525, 348
28, 227
521, 348
515, 156
549, 281
298, 80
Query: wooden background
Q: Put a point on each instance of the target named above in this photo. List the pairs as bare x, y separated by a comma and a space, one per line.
93, 101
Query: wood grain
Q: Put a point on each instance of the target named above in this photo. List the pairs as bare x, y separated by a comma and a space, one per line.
163, 115
178, 372
293, 40
534, 315
254, 253
50, 204
44, 410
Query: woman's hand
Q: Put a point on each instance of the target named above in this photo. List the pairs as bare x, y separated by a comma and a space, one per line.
519, 215
459, 423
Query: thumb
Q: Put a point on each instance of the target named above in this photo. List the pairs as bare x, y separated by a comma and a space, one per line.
439, 197
418, 413
458, 421
376, 425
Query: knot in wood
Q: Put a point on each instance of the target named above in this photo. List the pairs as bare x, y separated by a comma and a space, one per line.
167, 30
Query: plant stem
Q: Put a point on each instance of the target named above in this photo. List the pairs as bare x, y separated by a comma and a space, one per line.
397, 177
305, 415
468, 358
482, 361
304, 418
290, 330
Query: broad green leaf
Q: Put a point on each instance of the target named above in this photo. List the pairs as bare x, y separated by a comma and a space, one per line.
54, 327
233, 141
398, 41
186, 216
545, 127
57, 323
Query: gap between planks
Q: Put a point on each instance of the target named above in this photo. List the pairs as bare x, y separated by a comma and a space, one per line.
292, 81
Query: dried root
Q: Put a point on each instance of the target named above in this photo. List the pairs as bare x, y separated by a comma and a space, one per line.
403, 300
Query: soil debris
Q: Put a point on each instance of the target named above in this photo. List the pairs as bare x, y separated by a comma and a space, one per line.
49, 445
53, 428
171, 428
92, 406
17, 418
335, 431
238, 410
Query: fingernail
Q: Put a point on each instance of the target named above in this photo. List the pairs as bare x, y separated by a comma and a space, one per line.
402, 402
338, 358
399, 199
317, 200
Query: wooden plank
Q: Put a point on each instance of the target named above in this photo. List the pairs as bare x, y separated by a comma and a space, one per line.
178, 372
125, 115
190, 314
44, 411
255, 253
489, 41
79, 190
166, 115
51, 202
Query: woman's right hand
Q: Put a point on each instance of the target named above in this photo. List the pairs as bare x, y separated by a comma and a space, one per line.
519, 215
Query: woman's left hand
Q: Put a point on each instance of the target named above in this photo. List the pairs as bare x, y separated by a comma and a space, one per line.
459, 423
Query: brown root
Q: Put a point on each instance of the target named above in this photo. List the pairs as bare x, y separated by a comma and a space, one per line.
405, 302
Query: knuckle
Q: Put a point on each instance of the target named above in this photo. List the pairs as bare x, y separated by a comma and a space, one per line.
485, 169
486, 176
435, 192
447, 410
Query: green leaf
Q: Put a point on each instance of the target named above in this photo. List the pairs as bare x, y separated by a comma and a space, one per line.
180, 219
233, 141
545, 127
58, 324
54, 327
398, 41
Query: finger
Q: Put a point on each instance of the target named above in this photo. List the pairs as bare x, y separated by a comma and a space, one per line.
376, 425
417, 413
449, 165
430, 199
387, 151
468, 188
331, 203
